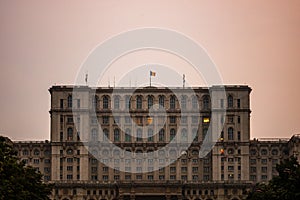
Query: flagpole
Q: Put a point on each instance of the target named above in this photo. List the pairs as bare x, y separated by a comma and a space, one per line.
150, 78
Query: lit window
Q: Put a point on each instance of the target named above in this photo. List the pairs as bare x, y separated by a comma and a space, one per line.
206, 119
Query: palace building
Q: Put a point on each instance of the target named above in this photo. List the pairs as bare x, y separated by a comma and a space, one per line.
94, 131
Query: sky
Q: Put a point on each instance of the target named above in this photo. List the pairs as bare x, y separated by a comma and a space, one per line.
251, 42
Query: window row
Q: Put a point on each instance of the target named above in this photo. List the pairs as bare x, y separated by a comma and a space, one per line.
150, 99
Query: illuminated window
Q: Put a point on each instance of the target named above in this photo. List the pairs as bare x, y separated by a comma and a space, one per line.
206, 119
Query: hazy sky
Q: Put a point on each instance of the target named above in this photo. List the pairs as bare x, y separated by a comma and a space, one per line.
252, 42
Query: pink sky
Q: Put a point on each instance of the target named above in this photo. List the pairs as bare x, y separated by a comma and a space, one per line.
252, 42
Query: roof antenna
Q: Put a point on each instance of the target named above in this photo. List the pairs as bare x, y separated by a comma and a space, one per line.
183, 80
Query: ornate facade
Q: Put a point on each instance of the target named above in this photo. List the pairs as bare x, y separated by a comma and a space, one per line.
82, 124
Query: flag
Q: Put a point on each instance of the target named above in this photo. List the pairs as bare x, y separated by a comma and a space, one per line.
152, 73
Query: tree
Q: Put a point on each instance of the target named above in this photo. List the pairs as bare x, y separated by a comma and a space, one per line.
18, 181
284, 186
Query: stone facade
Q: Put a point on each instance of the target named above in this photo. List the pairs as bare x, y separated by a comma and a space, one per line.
226, 172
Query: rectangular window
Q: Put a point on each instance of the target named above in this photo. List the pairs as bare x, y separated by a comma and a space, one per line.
36, 161
264, 177
172, 177
139, 177
195, 169
69, 168
127, 177
78, 103
230, 168
239, 135
238, 103
184, 119
230, 119
184, 169
264, 169
69, 176
105, 119
264, 161
173, 119
253, 177
172, 169
253, 161
195, 177
61, 103
61, 136
206, 169
127, 120
222, 103
206, 120
253, 169
194, 119
105, 177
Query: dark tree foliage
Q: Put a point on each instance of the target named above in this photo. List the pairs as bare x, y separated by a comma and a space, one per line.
18, 181
285, 186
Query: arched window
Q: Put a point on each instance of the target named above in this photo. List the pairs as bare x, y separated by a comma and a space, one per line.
264, 152
95, 102
183, 102
36, 152
230, 133
116, 102
128, 135
230, 101
70, 133
194, 102
161, 101
184, 135
206, 102
116, 135
94, 134
150, 101
172, 102
25, 152
139, 135
105, 135
161, 135
105, 102
69, 151
70, 101
139, 102
150, 135
172, 134
127, 102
